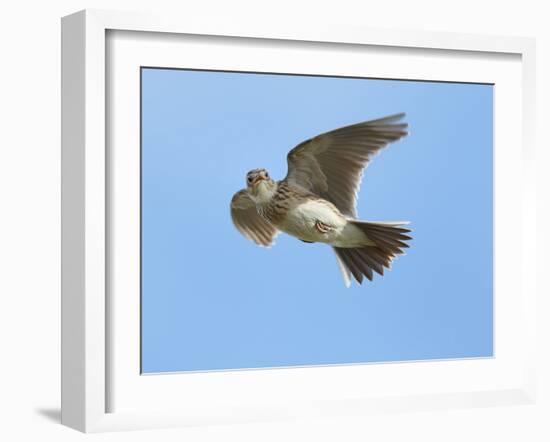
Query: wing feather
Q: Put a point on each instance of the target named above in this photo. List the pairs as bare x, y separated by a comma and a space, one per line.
331, 164
247, 220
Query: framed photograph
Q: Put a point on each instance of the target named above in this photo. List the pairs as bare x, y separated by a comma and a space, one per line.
265, 222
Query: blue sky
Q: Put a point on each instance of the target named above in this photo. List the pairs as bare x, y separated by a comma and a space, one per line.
213, 300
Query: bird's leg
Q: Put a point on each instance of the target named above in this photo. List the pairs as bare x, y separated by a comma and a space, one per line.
322, 227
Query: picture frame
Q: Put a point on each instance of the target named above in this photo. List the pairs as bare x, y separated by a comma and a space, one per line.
91, 368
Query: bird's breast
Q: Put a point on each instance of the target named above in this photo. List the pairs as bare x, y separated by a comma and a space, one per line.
274, 213
277, 207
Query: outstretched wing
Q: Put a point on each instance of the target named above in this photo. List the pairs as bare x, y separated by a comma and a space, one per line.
331, 164
247, 220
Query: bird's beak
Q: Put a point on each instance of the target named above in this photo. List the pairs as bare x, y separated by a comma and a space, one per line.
258, 179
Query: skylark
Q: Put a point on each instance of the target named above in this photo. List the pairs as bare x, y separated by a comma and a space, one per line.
316, 201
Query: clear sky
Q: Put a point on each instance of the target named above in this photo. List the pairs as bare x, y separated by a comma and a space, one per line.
213, 300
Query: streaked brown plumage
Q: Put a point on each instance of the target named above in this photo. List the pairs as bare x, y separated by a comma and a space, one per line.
316, 202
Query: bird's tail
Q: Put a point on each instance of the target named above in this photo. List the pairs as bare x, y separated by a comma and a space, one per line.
389, 241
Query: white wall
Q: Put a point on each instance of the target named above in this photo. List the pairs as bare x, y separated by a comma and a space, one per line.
30, 221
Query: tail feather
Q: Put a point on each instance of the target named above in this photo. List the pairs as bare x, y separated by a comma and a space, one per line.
372, 263
361, 264
343, 268
353, 265
389, 241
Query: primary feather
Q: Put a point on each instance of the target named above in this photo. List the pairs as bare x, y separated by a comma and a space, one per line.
331, 164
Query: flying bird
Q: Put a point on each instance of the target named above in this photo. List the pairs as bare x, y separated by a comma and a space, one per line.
316, 201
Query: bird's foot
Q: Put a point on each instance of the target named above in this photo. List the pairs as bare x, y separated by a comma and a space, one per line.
322, 227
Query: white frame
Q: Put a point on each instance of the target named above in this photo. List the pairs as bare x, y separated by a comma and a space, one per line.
197, 393
84, 202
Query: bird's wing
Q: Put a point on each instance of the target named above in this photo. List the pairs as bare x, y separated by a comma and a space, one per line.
247, 220
331, 164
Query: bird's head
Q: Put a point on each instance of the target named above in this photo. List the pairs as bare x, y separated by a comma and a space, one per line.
260, 186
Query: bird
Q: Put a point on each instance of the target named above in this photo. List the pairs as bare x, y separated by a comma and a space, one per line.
317, 200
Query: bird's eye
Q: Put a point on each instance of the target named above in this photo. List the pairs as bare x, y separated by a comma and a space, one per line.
266, 175
249, 179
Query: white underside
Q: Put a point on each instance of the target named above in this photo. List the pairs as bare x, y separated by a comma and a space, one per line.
301, 220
